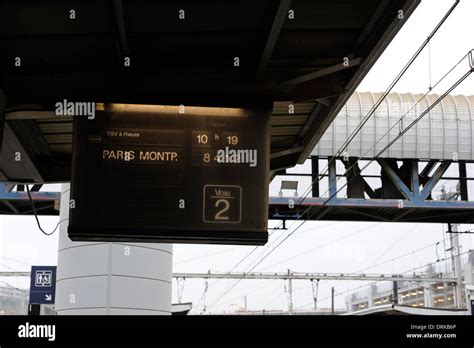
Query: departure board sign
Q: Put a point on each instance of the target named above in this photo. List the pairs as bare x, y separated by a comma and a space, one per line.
170, 174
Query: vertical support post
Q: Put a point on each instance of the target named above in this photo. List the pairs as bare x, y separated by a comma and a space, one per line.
3, 104
34, 309
470, 299
332, 300
370, 298
332, 178
445, 288
290, 293
463, 181
427, 295
414, 178
456, 262
315, 176
245, 303
395, 292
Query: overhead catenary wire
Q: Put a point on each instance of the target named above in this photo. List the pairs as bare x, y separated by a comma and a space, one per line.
285, 292
258, 288
12, 286
392, 246
15, 260
339, 293
204, 256
323, 245
261, 260
403, 255
437, 261
253, 267
254, 249
282, 236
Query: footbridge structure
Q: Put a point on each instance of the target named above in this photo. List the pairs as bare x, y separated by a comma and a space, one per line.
424, 176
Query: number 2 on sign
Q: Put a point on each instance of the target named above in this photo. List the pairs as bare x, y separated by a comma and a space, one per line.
220, 214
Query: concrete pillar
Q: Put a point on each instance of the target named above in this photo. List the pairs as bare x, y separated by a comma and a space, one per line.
111, 278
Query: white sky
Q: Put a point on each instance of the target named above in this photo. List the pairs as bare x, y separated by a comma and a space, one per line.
22, 244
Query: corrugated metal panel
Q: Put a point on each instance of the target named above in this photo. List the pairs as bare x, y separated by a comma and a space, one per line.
58, 138
287, 130
444, 133
62, 127
288, 120
283, 107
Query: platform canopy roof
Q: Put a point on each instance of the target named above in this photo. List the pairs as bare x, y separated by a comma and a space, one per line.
288, 52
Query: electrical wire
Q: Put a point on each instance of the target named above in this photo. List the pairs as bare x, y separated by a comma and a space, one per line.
282, 236
391, 247
322, 246
15, 260
204, 256
13, 287
225, 292
36, 215
258, 288
437, 261
404, 255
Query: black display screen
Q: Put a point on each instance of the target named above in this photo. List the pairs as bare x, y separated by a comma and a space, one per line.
171, 174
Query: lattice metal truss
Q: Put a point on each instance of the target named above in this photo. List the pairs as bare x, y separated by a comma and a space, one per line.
404, 195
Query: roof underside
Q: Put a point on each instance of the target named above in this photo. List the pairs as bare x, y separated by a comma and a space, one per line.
184, 61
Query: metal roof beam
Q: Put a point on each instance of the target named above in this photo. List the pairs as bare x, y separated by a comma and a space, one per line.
121, 32
312, 117
273, 35
320, 73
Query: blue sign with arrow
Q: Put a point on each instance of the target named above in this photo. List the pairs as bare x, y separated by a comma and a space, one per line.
43, 284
